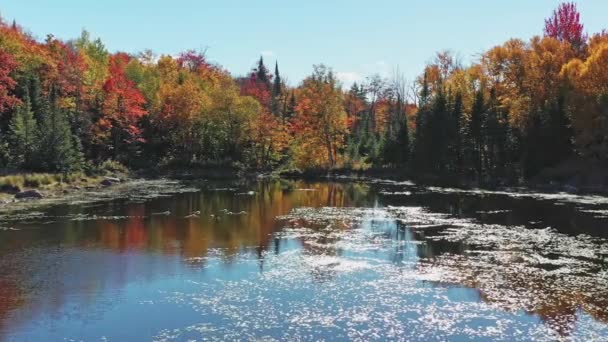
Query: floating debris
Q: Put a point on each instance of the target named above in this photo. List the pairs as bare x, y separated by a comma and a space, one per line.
396, 193
106, 218
193, 214
237, 213
223, 189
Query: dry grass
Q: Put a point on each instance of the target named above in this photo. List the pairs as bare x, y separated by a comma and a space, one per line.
45, 180
112, 167
354, 165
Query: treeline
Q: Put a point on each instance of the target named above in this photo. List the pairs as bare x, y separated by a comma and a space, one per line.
522, 107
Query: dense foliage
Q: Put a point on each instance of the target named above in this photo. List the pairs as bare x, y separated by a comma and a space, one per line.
521, 107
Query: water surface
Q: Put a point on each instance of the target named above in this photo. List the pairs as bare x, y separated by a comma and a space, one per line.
291, 260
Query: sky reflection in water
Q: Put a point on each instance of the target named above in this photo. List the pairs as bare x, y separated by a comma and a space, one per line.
296, 260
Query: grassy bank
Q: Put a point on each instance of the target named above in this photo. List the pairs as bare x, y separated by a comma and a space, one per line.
43, 180
48, 183
571, 176
54, 184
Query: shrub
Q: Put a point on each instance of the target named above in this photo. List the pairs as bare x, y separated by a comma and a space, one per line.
112, 166
36, 180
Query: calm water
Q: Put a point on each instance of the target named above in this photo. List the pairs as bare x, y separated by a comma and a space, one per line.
284, 260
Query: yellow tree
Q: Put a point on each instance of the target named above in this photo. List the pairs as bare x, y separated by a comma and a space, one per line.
96, 58
269, 139
505, 68
320, 125
543, 64
589, 106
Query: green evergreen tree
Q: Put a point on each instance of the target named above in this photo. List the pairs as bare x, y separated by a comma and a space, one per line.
396, 142
421, 150
533, 146
455, 135
23, 135
403, 142
475, 134
277, 89
438, 133
38, 103
60, 150
291, 106
559, 135
262, 73
492, 136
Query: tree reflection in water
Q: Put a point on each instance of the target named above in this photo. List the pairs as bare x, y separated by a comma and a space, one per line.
88, 255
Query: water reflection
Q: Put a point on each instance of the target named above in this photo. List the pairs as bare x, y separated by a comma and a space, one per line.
79, 263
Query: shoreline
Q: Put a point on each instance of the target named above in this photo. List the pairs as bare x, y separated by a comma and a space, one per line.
536, 184
116, 186
131, 188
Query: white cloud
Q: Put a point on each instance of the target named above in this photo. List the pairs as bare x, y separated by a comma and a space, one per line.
348, 78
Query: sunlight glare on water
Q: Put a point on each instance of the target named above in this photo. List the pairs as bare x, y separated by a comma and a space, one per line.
307, 261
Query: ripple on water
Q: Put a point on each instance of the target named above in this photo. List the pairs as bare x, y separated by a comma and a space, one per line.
507, 283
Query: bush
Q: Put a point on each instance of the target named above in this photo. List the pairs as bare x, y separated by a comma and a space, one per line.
32, 180
112, 167
14, 180
37, 180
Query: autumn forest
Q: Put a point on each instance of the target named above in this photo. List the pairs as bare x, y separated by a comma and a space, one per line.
517, 109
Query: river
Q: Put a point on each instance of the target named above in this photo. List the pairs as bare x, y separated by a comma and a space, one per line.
295, 260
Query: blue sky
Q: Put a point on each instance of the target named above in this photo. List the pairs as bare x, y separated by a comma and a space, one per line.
354, 37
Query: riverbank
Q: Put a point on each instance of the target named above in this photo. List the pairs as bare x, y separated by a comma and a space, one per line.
17, 185
132, 189
572, 177
18, 188
110, 179
44, 185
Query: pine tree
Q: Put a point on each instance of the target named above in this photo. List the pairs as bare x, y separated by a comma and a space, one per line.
354, 89
402, 138
420, 141
403, 142
533, 153
262, 74
438, 132
455, 135
495, 136
395, 145
33, 89
60, 150
291, 106
475, 134
23, 134
276, 92
560, 135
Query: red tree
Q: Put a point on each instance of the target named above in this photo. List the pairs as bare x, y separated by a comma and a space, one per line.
67, 70
7, 84
565, 25
192, 60
123, 102
256, 89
